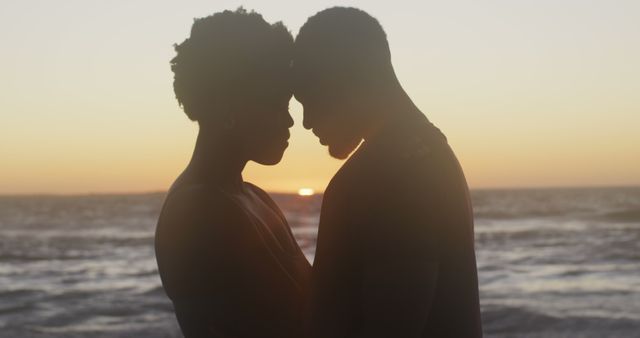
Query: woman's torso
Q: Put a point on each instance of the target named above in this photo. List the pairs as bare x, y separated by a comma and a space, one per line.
230, 263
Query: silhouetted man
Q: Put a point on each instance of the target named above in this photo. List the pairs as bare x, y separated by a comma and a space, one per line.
395, 254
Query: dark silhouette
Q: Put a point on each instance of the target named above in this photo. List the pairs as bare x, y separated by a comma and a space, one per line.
395, 253
226, 256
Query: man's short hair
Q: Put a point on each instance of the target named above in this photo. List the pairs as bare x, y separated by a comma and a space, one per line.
225, 56
347, 37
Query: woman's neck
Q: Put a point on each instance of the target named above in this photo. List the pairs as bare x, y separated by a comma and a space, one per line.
217, 161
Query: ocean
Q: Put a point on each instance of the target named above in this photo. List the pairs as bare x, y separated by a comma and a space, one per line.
551, 262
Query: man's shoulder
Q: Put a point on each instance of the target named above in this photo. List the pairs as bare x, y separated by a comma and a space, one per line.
406, 152
417, 162
417, 141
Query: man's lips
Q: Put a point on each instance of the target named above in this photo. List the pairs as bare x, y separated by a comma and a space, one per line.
320, 138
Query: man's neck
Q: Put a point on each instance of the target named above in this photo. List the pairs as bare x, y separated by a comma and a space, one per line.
393, 115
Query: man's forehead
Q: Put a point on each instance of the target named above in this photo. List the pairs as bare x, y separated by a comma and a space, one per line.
303, 75
312, 69
302, 67
308, 81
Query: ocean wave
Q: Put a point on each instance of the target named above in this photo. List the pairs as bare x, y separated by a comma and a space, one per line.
506, 214
507, 321
552, 263
629, 215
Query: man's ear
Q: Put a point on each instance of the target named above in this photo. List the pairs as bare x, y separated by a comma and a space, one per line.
229, 121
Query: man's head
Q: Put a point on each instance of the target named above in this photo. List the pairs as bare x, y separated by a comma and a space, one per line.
233, 76
341, 63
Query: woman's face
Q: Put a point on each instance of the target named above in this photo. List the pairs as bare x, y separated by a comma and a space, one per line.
263, 122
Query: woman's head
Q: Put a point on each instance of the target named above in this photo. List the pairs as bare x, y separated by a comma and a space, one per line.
232, 75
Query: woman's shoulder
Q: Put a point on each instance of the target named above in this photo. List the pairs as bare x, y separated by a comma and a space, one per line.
266, 198
195, 234
260, 193
197, 208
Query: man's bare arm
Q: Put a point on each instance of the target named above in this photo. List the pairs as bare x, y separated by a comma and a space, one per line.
398, 291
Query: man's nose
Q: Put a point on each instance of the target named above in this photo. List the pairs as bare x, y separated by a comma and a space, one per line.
289, 120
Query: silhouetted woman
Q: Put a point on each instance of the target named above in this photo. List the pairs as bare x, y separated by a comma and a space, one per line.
226, 256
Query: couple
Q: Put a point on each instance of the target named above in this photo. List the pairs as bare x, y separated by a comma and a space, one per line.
395, 255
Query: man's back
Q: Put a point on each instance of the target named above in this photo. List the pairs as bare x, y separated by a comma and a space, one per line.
395, 255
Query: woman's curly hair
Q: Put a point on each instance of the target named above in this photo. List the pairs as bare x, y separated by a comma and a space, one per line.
225, 56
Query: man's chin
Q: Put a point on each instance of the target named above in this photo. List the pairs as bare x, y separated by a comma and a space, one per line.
342, 151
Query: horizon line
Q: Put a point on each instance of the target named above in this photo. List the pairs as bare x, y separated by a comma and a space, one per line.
287, 192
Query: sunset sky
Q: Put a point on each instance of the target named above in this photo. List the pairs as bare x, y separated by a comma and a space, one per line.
529, 93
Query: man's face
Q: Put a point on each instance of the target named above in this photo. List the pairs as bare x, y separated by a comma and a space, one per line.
329, 110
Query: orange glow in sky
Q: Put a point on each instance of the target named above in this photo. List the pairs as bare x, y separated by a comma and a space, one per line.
535, 93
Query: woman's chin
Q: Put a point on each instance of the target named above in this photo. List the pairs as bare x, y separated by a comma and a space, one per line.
270, 159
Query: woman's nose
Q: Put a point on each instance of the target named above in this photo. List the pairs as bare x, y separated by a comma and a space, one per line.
306, 120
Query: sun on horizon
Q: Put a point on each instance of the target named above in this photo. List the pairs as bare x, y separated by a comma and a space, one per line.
306, 192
